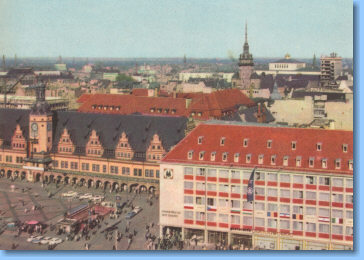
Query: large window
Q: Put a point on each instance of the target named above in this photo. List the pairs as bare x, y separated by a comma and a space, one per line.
188, 171
211, 187
211, 173
223, 188
188, 214
188, 200
223, 173
223, 218
235, 174
188, 185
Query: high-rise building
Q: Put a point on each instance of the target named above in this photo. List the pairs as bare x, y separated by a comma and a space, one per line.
246, 64
331, 68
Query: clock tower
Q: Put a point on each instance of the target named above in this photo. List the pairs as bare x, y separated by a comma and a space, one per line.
246, 64
40, 125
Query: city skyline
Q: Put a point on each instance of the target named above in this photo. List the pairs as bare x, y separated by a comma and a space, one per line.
174, 29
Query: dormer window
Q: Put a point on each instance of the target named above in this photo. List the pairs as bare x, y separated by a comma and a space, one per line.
222, 141
260, 158
236, 157
273, 160
324, 163
193, 114
319, 147
345, 148
350, 165
173, 111
159, 110
245, 142
285, 160
298, 161
224, 157
189, 155
311, 162
269, 144
248, 158
213, 156
199, 114
293, 145
152, 110
117, 108
199, 140
200, 157
337, 163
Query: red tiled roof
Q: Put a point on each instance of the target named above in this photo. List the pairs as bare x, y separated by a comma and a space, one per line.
83, 98
204, 106
129, 104
142, 92
306, 140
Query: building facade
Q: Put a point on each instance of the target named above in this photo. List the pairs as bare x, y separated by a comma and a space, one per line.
116, 152
303, 187
331, 68
286, 64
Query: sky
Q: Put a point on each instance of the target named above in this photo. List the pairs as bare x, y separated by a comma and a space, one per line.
173, 28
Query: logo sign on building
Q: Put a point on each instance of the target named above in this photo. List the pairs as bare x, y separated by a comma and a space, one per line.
168, 174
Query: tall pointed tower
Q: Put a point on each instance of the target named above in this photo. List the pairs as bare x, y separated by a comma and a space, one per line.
246, 64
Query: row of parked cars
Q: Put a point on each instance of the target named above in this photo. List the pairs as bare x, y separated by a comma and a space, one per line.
86, 196
44, 240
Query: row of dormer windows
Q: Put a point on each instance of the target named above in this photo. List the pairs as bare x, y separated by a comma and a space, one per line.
100, 107
270, 144
65, 149
194, 113
17, 145
160, 110
273, 159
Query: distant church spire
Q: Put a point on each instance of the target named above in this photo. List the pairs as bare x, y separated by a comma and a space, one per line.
246, 31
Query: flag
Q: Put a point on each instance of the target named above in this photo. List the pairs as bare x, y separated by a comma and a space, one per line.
284, 215
211, 208
324, 219
250, 194
337, 220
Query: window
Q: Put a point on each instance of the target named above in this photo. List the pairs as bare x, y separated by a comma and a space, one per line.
222, 141
248, 158
324, 181
199, 140
188, 200
259, 222
285, 194
349, 183
311, 211
285, 178
293, 145
310, 195
188, 185
338, 182
349, 199
311, 162
104, 169
285, 161
273, 160
259, 191
245, 142
350, 165
211, 173
298, 179
200, 186
223, 188
146, 173
336, 213
283, 208
188, 171
235, 204
297, 210
95, 167
297, 225
324, 163
269, 144
260, 158
272, 192
337, 163
126, 171
235, 219
157, 173
324, 212
200, 201
235, 174
213, 156
345, 148
272, 207
188, 214
211, 217
311, 180
211, 202
235, 189
284, 224
189, 155
319, 146
223, 218
223, 174
272, 223
337, 230
211, 187
114, 169
272, 177
324, 196
349, 231
260, 176
200, 172
324, 228
311, 227
224, 156
236, 157
298, 161
85, 166
297, 194
248, 221
201, 154
349, 214
223, 203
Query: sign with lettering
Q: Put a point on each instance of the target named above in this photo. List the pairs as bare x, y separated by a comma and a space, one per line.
170, 213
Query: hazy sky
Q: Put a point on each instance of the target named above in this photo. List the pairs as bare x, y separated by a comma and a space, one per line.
172, 28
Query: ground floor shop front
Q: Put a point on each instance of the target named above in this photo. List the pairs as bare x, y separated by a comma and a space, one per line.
247, 240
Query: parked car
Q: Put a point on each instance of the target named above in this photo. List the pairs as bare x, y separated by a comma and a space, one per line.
70, 194
45, 240
134, 212
30, 238
86, 196
55, 241
37, 240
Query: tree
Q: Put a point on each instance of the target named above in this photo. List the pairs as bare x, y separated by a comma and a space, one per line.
123, 77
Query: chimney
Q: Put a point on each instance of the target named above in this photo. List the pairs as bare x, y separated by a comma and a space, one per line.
188, 102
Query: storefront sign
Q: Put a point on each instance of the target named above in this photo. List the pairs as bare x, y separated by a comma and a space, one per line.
170, 213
